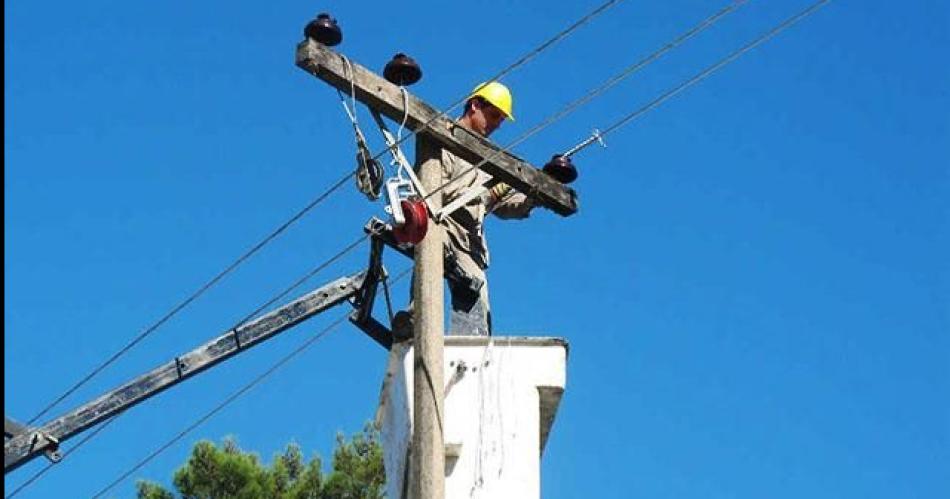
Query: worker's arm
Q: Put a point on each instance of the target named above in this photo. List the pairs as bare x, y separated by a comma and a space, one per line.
505, 202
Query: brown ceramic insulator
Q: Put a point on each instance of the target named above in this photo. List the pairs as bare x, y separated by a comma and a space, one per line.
402, 70
561, 169
325, 30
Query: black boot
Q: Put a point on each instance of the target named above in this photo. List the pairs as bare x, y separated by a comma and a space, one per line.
402, 326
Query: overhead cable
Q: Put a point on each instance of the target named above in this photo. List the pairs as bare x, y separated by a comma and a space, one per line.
708, 71
507, 69
231, 398
240, 323
626, 72
151, 329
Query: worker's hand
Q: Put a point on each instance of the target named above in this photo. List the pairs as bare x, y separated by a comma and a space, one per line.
561, 168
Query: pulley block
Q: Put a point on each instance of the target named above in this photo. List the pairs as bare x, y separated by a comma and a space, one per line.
561, 169
416, 222
369, 173
324, 29
402, 70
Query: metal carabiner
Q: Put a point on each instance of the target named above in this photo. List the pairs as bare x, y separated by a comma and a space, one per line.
398, 189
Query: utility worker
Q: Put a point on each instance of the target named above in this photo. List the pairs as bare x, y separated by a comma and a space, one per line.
466, 249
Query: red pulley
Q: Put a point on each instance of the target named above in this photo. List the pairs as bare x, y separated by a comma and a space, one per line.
417, 222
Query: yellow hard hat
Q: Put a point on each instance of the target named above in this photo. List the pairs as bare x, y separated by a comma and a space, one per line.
497, 95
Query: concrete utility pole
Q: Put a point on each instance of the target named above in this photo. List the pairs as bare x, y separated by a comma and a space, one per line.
434, 133
428, 448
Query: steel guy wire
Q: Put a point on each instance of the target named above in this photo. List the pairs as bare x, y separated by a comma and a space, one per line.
149, 330
72, 449
234, 396
626, 72
709, 70
507, 69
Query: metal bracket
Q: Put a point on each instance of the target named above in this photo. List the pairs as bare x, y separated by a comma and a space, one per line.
384, 232
453, 272
397, 189
364, 299
374, 329
39, 441
362, 317
400, 158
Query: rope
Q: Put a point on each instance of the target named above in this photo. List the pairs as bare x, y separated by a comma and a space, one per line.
571, 107
231, 398
389, 302
350, 108
151, 329
405, 116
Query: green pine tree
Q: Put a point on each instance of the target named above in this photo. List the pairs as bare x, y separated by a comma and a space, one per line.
231, 473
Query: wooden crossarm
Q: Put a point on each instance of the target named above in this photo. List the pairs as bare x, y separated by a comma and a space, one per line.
385, 97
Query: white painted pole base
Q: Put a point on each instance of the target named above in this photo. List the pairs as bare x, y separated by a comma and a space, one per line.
501, 396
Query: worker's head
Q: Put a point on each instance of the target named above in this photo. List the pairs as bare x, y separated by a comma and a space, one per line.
487, 106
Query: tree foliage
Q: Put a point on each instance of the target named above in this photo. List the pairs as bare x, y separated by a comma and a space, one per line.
227, 472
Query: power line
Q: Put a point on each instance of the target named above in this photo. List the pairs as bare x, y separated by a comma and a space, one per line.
302, 279
234, 396
629, 70
151, 329
511, 67
713, 68
246, 318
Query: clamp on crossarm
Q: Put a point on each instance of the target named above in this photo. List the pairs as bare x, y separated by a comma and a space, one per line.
39, 441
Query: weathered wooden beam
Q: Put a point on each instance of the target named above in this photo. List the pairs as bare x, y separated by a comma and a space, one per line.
383, 96
374, 329
11, 428
22, 448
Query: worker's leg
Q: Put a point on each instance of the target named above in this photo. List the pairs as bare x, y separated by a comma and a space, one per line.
470, 314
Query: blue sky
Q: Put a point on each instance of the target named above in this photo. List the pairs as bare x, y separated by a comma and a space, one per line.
753, 289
